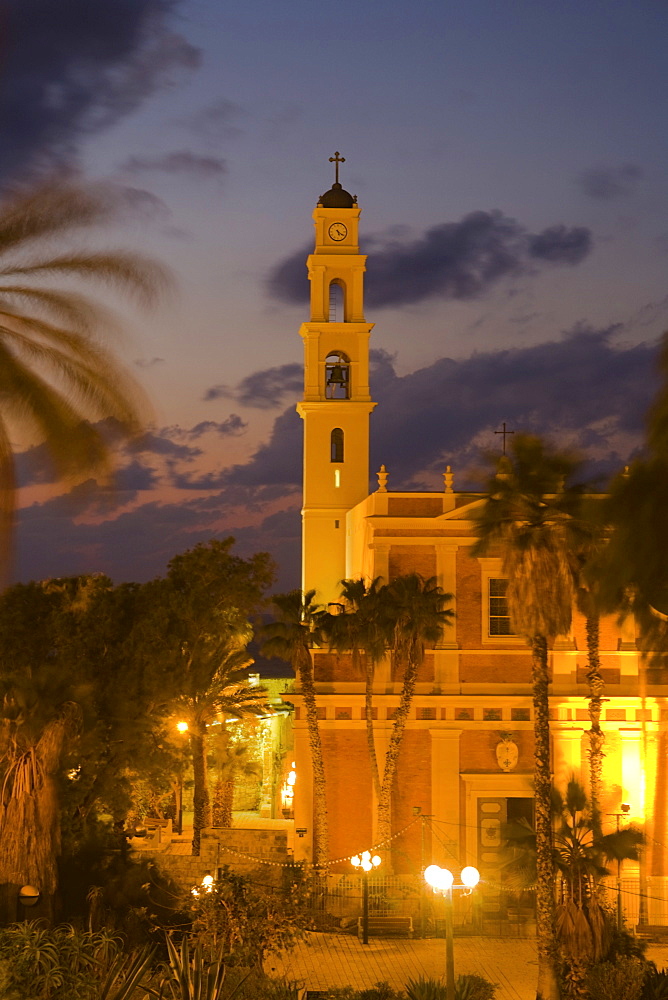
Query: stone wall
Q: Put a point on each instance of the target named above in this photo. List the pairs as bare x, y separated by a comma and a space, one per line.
237, 848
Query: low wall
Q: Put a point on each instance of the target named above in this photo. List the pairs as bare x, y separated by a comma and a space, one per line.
243, 850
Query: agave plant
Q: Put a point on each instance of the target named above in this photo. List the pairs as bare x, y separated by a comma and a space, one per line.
125, 975
190, 977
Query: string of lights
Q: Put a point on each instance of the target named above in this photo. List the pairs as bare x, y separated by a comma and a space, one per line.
334, 861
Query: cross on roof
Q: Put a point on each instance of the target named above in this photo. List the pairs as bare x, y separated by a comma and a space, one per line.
505, 434
336, 159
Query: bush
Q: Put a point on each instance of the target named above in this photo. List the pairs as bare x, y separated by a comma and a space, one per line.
656, 984
66, 963
381, 991
622, 980
467, 987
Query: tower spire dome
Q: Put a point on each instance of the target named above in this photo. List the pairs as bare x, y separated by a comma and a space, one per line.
336, 197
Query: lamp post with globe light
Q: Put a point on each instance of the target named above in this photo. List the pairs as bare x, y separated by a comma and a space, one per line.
182, 729
625, 809
367, 864
442, 880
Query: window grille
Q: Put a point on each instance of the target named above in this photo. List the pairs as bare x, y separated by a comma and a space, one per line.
499, 619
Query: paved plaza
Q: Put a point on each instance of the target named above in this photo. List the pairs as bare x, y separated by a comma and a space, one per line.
327, 960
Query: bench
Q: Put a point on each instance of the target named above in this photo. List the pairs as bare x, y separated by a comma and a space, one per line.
390, 926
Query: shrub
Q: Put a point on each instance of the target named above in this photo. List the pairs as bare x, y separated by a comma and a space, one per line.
622, 980
656, 984
67, 963
381, 991
467, 987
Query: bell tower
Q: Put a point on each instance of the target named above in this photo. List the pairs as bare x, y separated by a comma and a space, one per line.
336, 404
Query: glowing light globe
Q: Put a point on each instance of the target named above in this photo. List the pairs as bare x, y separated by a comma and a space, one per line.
470, 876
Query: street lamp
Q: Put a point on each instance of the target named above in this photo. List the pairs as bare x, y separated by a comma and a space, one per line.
182, 729
367, 864
625, 809
442, 880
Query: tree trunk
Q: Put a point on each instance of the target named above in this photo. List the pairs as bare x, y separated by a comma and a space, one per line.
321, 839
392, 756
370, 738
223, 799
201, 798
596, 737
30, 820
548, 986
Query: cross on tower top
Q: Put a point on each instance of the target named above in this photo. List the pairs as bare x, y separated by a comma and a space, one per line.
336, 159
505, 434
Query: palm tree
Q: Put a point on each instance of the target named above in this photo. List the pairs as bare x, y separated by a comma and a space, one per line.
233, 758
415, 616
583, 927
42, 703
209, 696
362, 631
531, 519
291, 637
57, 376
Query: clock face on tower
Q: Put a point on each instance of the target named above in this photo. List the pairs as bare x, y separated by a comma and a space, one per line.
337, 231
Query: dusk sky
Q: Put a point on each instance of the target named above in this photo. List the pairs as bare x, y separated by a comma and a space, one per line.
511, 162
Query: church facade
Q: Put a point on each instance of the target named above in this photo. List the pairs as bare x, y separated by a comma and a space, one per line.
467, 755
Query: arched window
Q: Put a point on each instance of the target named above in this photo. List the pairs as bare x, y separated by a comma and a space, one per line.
337, 376
337, 300
336, 445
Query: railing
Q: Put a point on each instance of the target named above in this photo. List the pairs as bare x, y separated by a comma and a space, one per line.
337, 899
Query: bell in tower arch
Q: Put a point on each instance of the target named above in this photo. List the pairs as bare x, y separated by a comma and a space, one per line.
337, 376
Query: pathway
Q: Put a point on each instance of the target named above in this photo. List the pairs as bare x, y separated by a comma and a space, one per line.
341, 960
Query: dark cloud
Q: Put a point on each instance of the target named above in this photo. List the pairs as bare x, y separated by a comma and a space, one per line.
158, 443
455, 260
138, 544
234, 425
72, 69
263, 390
580, 390
269, 388
609, 183
277, 461
579, 386
561, 245
181, 162
217, 392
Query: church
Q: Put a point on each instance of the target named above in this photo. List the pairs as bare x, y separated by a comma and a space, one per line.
466, 761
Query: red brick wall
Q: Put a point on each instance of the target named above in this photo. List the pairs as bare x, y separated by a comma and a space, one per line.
508, 668
348, 777
412, 559
415, 506
334, 666
469, 601
412, 787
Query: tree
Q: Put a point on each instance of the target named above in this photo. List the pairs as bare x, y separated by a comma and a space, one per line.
57, 376
415, 616
233, 758
291, 637
636, 577
42, 706
195, 632
583, 927
531, 518
362, 630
